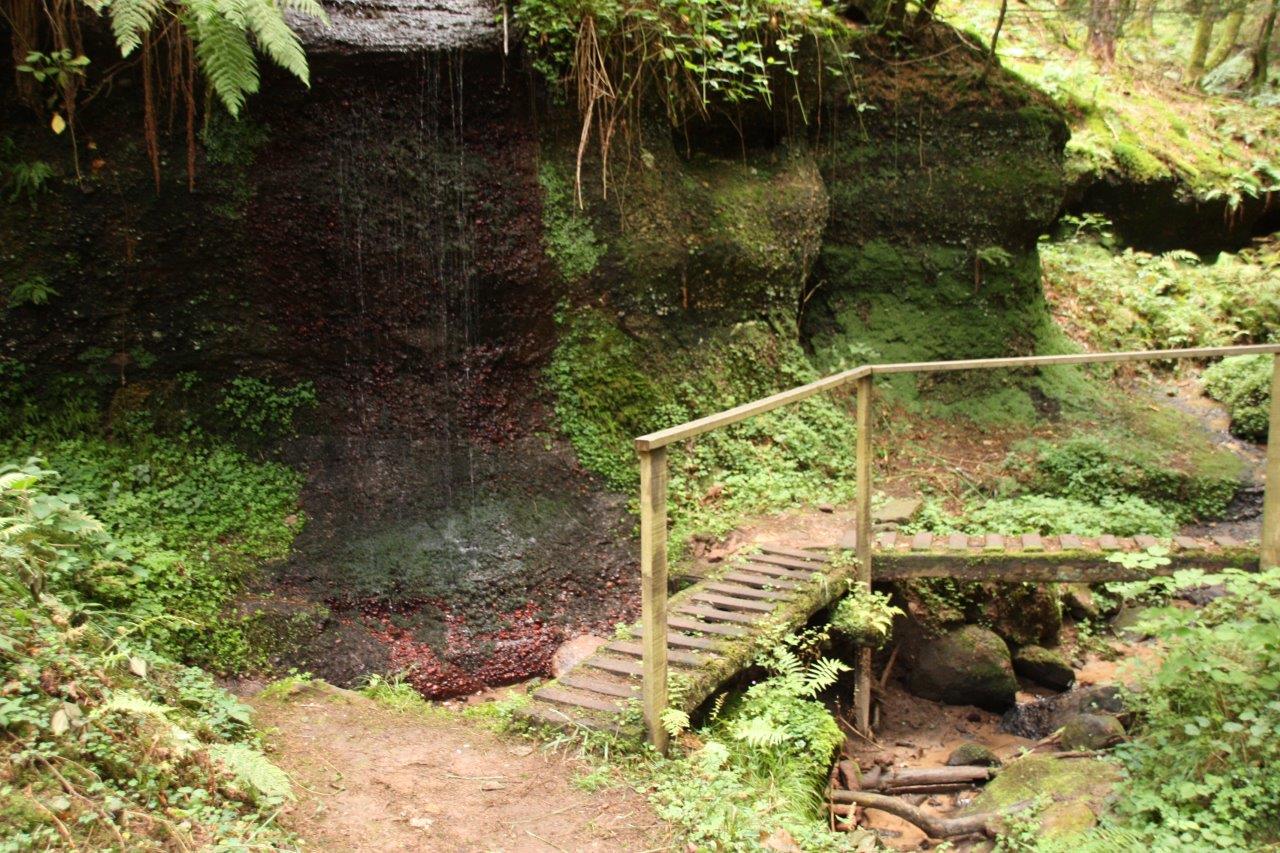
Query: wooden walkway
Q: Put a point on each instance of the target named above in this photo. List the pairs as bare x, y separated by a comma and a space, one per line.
718, 626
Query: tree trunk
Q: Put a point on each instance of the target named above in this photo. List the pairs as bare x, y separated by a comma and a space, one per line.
1200, 47
1227, 41
1144, 18
1104, 26
1262, 50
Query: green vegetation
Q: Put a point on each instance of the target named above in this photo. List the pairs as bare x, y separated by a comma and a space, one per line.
262, 410
1115, 68
110, 744
864, 616
194, 515
1243, 383
610, 388
566, 231
1131, 300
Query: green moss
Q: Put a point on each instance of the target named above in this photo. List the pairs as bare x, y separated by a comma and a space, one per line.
610, 387
567, 234
1137, 163
1064, 785
1243, 383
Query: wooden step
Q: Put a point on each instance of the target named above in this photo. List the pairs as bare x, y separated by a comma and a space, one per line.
708, 612
577, 699
608, 664
732, 603
585, 682
786, 562
799, 554
688, 642
562, 717
778, 572
752, 579
741, 591
704, 627
673, 655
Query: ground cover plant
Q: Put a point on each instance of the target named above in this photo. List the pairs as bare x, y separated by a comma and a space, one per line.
110, 744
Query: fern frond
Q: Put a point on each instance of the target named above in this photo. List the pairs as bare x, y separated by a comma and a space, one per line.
225, 55
274, 37
821, 674
310, 8
759, 732
130, 19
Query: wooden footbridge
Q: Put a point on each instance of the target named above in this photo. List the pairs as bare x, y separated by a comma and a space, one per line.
685, 648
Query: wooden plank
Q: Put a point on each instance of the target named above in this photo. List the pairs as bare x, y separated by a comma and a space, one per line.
732, 603
1052, 544
799, 553
865, 538
580, 681
1144, 542
685, 641
752, 579
674, 655
886, 539
778, 571
1032, 542
1127, 543
1070, 542
922, 541
579, 700
995, 542
1041, 567
958, 542
741, 591
653, 592
661, 438
788, 562
705, 627
622, 667
1186, 543
1224, 541
1107, 542
1269, 546
694, 609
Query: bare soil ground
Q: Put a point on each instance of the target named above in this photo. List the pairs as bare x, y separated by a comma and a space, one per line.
369, 777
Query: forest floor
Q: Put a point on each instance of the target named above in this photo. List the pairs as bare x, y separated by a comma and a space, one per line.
372, 777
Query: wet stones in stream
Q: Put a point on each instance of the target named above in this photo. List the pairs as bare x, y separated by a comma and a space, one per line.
1043, 717
966, 666
1044, 666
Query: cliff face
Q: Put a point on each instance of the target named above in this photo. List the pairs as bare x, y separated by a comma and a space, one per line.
405, 235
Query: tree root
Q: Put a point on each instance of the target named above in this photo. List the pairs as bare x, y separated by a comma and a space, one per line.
932, 825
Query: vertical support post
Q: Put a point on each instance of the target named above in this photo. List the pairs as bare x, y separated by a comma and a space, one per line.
1269, 552
865, 538
653, 591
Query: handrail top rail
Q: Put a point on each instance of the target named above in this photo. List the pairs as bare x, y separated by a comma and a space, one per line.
670, 435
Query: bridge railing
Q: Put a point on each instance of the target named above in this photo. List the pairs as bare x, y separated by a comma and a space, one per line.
652, 450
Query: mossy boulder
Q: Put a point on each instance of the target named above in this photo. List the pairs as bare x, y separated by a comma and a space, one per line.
1075, 790
967, 666
1023, 613
1044, 666
973, 754
1091, 731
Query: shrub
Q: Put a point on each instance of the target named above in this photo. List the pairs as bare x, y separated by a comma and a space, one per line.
263, 411
1243, 384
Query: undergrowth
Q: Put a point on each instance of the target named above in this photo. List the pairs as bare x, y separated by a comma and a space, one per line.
110, 744
1243, 384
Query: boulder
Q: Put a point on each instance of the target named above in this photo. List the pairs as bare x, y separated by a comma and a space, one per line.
1044, 666
1024, 613
1078, 600
1042, 717
573, 652
967, 666
1091, 731
973, 754
1073, 791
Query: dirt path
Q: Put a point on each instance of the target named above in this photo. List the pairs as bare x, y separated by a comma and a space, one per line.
370, 777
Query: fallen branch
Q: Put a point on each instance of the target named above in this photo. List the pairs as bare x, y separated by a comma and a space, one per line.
879, 779
931, 825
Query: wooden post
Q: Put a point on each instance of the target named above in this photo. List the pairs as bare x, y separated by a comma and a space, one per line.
653, 591
865, 537
1269, 552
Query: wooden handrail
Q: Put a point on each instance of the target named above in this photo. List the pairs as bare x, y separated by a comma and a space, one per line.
651, 449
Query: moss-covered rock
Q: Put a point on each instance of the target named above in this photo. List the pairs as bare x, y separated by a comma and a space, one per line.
973, 754
1074, 789
968, 666
1091, 731
1044, 666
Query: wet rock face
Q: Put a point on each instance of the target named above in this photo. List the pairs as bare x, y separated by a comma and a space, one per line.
1044, 666
968, 666
400, 26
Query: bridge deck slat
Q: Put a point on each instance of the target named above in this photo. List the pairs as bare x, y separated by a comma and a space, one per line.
1107, 542
1032, 542
753, 579
734, 603
598, 685
788, 562
635, 650
922, 541
622, 667
1069, 542
995, 542
1145, 542
708, 612
742, 591
580, 700
780, 572
704, 627
798, 553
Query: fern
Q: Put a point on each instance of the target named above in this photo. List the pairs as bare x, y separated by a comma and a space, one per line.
130, 19
253, 770
225, 55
